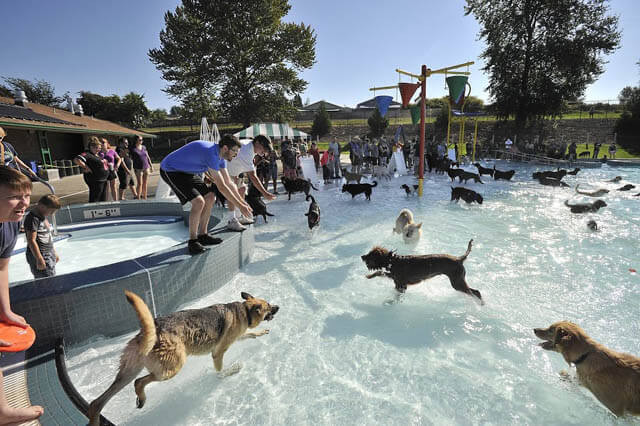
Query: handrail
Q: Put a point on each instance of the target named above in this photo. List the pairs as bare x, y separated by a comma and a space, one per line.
527, 157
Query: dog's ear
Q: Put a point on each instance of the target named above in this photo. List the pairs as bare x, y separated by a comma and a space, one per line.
246, 296
419, 225
562, 337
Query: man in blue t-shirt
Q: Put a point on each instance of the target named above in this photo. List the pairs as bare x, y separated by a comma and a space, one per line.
181, 171
15, 193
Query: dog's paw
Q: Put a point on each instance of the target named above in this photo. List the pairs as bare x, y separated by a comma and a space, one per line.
564, 375
140, 403
234, 369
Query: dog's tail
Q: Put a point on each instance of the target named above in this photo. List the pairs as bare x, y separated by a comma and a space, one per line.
268, 214
132, 359
309, 180
147, 325
375, 183
464, 256
310, 196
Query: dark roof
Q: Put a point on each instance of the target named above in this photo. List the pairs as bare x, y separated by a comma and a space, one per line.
24, 113
371, 104
328, 106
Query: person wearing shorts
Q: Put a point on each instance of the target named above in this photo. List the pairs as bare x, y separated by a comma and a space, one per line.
125, 171
41, 256
243, 163
142, 165
113, 162
182, 169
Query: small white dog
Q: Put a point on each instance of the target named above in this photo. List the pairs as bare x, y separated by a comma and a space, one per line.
412, 232
404, 218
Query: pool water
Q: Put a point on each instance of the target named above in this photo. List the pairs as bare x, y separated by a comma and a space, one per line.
93, 247
337, 354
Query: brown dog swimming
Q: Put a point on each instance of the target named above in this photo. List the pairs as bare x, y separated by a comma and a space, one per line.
163, 344
612, 377
412, 269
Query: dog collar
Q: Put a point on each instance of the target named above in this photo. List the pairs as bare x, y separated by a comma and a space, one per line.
582, 358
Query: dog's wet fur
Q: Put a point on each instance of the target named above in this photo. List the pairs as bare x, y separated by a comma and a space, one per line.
292, 186
612, 377
549, 181
313, 215
468, 175
596, 193
627, 187
254, 199
484, 170
359, 188
499, 174
408, 190
468, 195
593, 225
412, 269
405, 217
575, 170
586, 207
164, 343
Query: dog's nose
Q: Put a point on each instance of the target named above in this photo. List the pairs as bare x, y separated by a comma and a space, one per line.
274, 309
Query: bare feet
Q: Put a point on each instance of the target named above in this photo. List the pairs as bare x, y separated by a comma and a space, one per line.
10, 415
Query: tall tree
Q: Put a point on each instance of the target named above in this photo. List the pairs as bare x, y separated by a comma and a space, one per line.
628, 125
39, 91
297, 101
321, 122
241, 51
130, 110
541, 53
377, 124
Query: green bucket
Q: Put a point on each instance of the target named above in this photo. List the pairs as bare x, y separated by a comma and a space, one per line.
457, 85
415, 114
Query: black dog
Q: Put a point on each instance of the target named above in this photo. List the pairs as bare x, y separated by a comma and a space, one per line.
313, 215
359, 188
254, 199
627, 187
498, 174
468, 175
576, 170
454, 173
408, 190
467, 195
586, 207
593, 225
559, 174
297, 185
412, 269
484, 170
548, 181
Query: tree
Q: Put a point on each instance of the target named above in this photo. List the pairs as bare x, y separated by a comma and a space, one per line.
176, 111
240, 51
321, 122
377, 124
39, 92
5, 91
297, 101
628, 125
130, 110
159, 114
541, 53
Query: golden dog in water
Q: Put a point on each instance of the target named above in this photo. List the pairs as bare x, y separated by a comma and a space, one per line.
613, 377
163, 344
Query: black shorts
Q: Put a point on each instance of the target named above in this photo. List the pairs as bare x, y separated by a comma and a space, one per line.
112, 175
125, 179
186, 186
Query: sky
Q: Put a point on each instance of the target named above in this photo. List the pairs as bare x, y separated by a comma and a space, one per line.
102, 47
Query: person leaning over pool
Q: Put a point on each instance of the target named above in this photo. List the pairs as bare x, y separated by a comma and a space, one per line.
15, 194
181, 170
9, 157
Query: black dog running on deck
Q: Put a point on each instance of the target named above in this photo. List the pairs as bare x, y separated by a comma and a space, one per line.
412, 269
359, 188
313, 215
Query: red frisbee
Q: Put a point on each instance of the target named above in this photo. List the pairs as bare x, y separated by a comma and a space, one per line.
20, 338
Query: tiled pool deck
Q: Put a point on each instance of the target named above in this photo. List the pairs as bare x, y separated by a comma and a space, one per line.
81, 305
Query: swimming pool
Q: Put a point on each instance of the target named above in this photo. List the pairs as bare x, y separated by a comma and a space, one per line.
337, 354
84, 246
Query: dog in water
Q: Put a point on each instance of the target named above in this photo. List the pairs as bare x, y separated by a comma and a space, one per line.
593, 225
468, 175
484, 170
586, 207
381, 172
468, 195
615, 179
498, 174
297, 185
313, 215
349, 176
359, 188
411, 233
404, 218
413, 269
408, 190
574, 171
597, 193
612, 377
163, 344
254, 199
549, 181
627, 187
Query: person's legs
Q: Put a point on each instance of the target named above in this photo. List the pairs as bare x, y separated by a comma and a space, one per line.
102, 191
203, 226
10, 415
145, 178
112, 190
197, 207
139, 182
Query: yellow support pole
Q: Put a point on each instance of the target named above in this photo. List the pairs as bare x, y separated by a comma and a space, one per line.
446, 144
475, 140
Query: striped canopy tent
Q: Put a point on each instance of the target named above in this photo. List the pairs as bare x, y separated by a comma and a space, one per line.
273, 130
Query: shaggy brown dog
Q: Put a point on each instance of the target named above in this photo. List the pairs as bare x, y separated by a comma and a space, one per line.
359, 188
163, 344
408, 270
586, 207
612, 377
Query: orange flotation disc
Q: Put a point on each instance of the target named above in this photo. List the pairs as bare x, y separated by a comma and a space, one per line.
20, 338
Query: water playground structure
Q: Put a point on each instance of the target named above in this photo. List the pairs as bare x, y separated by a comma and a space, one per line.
456, 92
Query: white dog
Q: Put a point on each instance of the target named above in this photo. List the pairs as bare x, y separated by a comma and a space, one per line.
412, 232
404, 218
